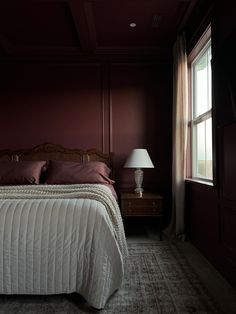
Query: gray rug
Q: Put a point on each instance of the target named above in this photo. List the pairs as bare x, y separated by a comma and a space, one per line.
158, 279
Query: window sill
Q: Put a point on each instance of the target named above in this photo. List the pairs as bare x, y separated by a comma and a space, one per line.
200, 181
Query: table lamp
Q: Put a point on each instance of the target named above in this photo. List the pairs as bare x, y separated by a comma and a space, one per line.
139, 158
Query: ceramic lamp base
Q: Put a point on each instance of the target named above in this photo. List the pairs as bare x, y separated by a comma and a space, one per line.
138, 177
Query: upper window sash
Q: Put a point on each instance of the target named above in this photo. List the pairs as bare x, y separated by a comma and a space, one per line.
200, 44
197, 108
202, 51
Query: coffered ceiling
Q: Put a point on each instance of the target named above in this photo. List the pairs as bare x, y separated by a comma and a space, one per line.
75, 28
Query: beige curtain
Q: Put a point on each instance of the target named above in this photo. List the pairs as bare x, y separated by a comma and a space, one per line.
180, 121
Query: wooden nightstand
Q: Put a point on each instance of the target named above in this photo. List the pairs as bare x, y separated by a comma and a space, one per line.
149, 205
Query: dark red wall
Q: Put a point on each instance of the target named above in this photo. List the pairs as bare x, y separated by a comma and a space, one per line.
211, 210
112, 107
50, 103
202, 199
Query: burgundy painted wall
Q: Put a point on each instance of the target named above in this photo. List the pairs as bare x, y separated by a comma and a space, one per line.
203, 218
112, 107
49, 103
211, 211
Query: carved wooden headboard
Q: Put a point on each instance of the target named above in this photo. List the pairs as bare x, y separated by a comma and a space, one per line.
49, 151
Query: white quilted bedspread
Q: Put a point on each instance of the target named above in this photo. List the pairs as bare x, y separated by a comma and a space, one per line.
61, 239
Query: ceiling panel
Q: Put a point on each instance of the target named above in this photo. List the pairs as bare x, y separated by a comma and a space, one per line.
112, 21
41, 24
44, 28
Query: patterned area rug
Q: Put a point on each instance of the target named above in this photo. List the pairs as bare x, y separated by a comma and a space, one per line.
159, 279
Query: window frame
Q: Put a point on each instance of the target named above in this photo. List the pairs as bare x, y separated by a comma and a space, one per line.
196, 53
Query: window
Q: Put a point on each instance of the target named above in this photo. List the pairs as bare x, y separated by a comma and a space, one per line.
201, 110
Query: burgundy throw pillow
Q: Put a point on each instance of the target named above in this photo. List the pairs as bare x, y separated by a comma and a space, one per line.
20, 172
67, 172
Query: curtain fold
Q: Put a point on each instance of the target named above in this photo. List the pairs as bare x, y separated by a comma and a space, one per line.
179, 146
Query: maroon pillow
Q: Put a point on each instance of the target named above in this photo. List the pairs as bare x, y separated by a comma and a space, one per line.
67, 172
21, 172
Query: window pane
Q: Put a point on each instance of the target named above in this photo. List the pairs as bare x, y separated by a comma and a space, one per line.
201, 150
202, 84
209, 79
209, 148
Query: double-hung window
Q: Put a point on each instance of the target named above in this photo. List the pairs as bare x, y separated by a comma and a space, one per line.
201, 111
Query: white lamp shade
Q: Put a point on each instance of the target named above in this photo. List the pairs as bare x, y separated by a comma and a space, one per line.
139, 158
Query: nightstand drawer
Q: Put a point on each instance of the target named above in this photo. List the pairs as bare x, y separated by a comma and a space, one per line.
141, 207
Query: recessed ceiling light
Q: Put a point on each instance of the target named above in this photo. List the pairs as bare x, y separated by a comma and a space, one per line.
132, 24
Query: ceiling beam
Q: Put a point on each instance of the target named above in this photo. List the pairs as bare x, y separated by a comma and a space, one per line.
84, 24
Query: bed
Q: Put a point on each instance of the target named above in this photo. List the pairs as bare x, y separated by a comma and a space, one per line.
57, 237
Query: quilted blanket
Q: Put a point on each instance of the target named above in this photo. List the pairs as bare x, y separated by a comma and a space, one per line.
61, 239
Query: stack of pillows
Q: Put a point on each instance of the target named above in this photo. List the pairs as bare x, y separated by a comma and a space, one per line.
53, 172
